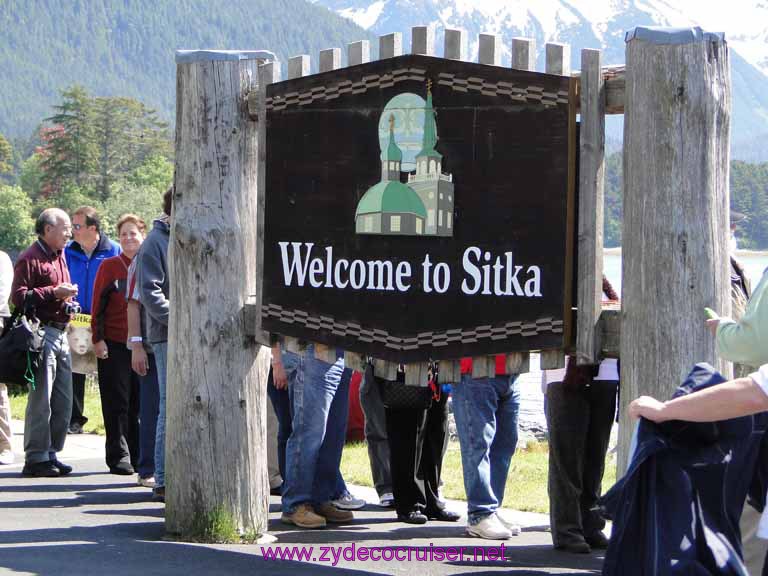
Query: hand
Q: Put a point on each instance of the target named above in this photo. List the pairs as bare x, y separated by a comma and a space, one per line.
279, 377
648, 408
712, 324
65, 290
139, 360
101, 350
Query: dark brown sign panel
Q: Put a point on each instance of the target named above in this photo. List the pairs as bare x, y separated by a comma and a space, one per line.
417, 208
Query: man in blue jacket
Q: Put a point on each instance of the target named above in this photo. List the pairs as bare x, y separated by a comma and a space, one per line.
84, 255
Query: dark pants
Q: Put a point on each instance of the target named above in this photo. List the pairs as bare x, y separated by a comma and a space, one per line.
579, 421
281, 402
78, 400
376, 433
417, 443
119, 387
149, 402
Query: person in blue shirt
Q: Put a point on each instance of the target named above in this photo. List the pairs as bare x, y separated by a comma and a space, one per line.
84, 254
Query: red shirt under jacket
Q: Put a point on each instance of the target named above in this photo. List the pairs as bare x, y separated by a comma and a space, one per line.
109, 309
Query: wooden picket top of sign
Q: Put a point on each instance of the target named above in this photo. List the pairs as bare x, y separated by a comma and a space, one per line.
523, 57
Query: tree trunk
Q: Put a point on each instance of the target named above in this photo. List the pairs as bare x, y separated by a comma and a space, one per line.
676, 210
216, 464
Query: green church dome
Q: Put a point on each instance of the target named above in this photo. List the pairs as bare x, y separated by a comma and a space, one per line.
391, 197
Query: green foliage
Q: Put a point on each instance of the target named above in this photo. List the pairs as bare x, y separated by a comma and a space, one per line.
155, 172
69, 198
115, 47
144, 201
94, 143
749, 195
16, 224
6, 155
31, 177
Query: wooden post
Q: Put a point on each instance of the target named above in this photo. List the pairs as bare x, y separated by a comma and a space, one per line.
558, 61
358, 52
215, 444
330, 59
423, 40
675, 227
269, 73
523, 54
298, 66
591, 181
390, 45
455, 45
489, 49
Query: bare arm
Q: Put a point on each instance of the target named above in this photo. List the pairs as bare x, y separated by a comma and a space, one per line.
727, 400
139, 360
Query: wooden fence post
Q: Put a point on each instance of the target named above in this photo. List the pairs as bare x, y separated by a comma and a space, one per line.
591, 182
215, 443
675, 226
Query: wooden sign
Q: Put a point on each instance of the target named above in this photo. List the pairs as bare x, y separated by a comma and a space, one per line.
417, 208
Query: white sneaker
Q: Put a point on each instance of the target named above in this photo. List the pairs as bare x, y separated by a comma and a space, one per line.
6, 457
489, 528
348, 502
513, 528
146, 482
387, 500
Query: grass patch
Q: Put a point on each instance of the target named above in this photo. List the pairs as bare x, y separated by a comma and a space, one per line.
92, 408
526, 483
217, 526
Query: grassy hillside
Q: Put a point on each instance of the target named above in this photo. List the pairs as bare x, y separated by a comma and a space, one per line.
126, 47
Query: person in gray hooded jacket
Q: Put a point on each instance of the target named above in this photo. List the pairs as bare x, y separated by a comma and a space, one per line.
153, 284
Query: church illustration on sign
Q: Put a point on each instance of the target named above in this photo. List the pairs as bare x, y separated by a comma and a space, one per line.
423, 206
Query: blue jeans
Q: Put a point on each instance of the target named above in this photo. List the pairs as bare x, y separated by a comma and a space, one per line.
486, 412
319, 395
161, 360
149, 402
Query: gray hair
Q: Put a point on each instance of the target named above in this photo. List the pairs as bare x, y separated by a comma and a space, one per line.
48, 217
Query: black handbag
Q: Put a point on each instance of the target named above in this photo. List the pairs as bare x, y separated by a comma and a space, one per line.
21, 345
398, 395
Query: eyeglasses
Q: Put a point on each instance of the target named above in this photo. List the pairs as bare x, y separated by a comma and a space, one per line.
77, 226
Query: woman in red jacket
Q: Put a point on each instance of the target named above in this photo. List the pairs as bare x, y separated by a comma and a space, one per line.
118, 384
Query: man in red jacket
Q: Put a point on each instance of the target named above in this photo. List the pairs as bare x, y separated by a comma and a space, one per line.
41, 279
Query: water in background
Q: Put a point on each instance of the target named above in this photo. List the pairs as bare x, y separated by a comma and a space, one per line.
754, 263
532, 400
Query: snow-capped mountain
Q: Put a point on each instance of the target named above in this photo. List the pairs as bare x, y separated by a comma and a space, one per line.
596, 24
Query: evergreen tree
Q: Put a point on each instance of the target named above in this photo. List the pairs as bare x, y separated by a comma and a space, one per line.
69, 153
127, 133
6, 156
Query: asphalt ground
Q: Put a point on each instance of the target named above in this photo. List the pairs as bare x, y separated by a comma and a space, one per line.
92, 522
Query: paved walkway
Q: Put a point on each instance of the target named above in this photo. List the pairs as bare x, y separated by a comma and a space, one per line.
92, 522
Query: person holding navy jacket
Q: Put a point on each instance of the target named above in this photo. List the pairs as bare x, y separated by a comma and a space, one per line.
84, 254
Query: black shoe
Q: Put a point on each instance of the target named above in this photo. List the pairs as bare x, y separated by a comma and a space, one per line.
597, 540
158, 494
122, 469
413, 517
75, 428
443, 516
64, 469
40, 470
575, 547
276, 491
